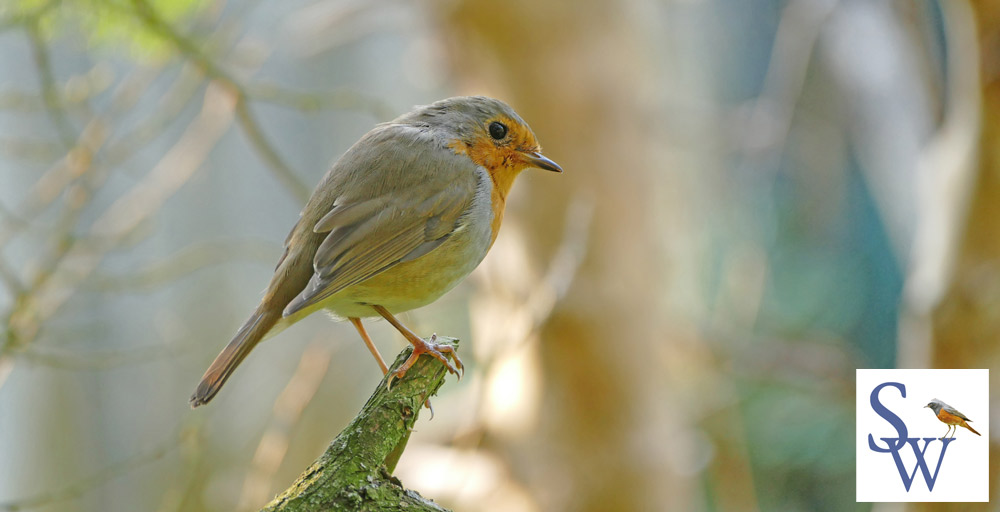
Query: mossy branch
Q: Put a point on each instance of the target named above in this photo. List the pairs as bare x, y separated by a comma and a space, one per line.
355, 471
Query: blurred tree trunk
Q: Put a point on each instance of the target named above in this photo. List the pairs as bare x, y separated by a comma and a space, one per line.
966, 323
576, 73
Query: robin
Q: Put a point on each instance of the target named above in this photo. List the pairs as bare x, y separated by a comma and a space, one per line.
402, 217
950, 416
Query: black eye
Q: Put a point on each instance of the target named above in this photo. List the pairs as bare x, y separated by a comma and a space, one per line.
498, 130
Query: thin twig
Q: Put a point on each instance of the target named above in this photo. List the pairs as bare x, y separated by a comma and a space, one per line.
310, 101
77, 261
266, 151
247, 122
181, 92
186, 262
54, 104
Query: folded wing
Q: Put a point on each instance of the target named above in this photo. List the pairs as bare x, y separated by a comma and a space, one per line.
398, 209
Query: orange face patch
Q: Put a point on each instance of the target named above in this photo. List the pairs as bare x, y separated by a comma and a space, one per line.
502, 159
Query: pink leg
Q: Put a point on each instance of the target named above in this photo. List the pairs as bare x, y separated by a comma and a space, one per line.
369, 344
438, 351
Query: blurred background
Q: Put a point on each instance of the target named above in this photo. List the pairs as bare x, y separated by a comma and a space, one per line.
759, 198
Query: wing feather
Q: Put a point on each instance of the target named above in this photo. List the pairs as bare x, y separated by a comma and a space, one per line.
954, 411
404, 212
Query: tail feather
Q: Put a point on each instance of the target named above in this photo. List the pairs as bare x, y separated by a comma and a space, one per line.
252, 332
966, 425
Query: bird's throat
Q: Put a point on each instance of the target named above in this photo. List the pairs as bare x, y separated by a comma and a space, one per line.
502, 166
503, 180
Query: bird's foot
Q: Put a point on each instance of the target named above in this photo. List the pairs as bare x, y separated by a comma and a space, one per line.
439, 351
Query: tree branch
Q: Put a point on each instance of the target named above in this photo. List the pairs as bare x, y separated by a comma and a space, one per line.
355, 471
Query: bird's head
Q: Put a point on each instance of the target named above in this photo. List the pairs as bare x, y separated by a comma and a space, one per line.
487, 131
935, 405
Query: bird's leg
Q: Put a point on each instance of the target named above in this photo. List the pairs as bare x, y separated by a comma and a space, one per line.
369, 344
378, 356
421, 347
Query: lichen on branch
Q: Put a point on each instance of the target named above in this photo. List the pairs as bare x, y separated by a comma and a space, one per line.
355, 471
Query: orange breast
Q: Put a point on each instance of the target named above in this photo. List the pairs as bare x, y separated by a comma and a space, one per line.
498, 198
949, 418
498, 164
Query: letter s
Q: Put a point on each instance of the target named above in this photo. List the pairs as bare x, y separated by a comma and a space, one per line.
889, 416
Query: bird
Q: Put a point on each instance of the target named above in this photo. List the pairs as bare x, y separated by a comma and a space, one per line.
950, 416
399, 219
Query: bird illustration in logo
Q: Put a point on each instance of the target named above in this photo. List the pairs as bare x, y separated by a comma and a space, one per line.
950, 416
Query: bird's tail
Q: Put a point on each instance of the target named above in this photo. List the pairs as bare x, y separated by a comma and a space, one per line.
254, 330
966, 425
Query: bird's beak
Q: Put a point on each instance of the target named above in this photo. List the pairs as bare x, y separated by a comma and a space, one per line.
538, 160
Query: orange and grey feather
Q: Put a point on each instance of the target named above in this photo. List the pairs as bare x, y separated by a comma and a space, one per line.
937, 406
950, 415
954, 412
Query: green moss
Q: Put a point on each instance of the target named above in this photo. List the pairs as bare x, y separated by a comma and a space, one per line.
354, 472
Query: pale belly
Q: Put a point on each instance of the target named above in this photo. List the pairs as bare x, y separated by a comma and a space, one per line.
416, 283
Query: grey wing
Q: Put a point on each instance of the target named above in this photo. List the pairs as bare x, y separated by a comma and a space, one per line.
954, 411
414, 211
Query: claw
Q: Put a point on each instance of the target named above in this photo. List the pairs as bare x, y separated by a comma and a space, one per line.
439, 352
420, 346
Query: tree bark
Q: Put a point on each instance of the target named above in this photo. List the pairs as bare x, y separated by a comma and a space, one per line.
355, 471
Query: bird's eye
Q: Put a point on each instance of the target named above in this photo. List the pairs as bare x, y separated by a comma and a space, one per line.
498, 130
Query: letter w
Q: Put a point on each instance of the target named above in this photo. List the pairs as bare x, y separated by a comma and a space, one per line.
921, 463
